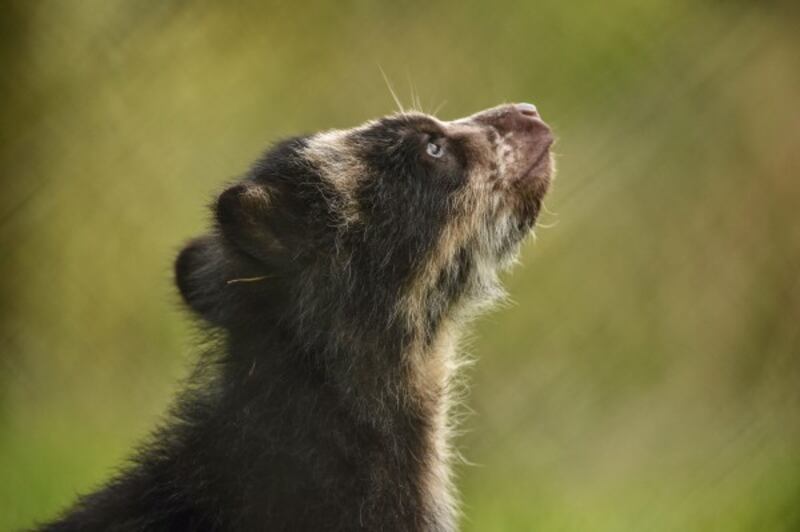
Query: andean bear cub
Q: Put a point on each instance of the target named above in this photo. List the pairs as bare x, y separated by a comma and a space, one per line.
334, 283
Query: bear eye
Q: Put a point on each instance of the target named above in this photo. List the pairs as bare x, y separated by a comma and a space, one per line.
435, 150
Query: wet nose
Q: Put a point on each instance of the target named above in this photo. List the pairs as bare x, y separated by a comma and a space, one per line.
513, 118
527, 109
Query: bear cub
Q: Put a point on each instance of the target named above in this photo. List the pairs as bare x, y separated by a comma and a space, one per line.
334, 284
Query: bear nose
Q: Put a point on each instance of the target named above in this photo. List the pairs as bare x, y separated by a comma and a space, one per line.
527, 109
513, 118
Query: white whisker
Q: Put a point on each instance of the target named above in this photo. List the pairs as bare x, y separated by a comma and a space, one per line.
391, 91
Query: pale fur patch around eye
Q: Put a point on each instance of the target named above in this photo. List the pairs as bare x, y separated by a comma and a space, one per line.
333, 154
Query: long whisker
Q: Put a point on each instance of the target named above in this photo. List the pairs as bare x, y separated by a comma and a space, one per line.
548, 211
415, 101
391, 91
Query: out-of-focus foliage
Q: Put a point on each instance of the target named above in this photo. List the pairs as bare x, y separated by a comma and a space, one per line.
646, 375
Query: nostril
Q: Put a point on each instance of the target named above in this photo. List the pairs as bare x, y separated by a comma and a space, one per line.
528, 109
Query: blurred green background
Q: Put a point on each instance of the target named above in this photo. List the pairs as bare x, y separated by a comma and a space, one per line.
646, 375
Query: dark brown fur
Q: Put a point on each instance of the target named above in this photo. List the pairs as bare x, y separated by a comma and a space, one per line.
334, 284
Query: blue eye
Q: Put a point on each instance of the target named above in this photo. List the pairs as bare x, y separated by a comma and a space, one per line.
434, 150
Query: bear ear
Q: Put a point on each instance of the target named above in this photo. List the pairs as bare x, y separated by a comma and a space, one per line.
245, 216
199, 274
225, 289
211, 271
